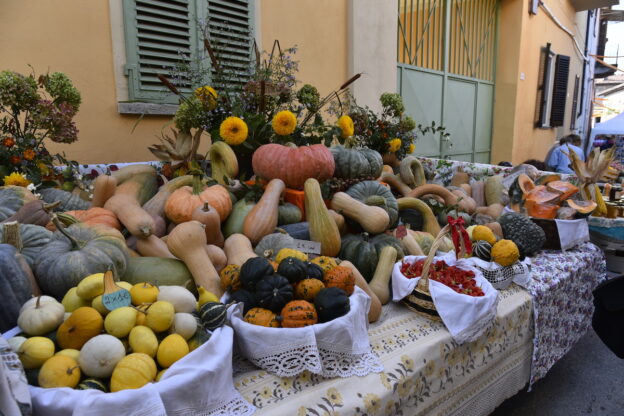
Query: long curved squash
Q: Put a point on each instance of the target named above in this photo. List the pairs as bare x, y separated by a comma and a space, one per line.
412, 172
430, 223
323, 228
223, 162
448, 197
396, 183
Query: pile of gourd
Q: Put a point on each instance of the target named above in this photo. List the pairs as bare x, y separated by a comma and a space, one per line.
79, 343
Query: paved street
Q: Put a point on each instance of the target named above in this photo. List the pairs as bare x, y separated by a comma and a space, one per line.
588, 380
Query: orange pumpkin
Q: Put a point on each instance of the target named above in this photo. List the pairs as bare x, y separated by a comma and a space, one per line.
229, 278
262, 317
183, 201
83, 324
298, 313
340, 277
307, 289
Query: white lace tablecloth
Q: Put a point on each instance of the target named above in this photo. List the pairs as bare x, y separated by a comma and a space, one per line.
339, 348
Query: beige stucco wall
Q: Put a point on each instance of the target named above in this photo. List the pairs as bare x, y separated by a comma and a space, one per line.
74, 36
515, 137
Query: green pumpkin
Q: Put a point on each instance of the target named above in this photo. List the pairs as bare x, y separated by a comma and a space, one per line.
288, 214
274, 292
212, 315
16, 285
12, 198
254, 270
369, 192
482, 249
356, 163
246, 297
92, 384
292, 269
69, 201
331, 303
363, 251
33, 239
76, 252
234, 222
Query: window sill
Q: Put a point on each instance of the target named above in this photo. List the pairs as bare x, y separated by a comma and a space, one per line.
147, 109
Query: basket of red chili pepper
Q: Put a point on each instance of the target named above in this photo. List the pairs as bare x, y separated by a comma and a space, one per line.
443, 288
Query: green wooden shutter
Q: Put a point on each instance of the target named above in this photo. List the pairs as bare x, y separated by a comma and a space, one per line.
231, 33
159, 35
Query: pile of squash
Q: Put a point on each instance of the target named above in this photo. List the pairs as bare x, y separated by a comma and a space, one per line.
79, 343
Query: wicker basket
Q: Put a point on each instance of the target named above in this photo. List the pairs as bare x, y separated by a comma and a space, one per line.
420, 300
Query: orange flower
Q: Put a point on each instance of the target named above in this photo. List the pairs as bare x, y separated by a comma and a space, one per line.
29, 154
15, 160
8, 142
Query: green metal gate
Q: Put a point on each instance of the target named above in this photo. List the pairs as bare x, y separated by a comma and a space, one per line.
446, 56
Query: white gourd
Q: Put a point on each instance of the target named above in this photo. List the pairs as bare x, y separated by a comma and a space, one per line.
184, 324
100, 355
32, 301
41, 317
181, 298
15, 343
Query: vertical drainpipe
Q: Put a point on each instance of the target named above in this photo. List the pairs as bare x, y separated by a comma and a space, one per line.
585, 102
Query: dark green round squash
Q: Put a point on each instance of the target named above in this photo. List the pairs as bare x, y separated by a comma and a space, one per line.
313, 271
482, 249
331, 303
33, 238
12, 198
288, 214
292, 269
76, 252
17, 285
93, 384
69, 200
369, 192
363, 251
356, 163
254, 270
273, 292
246, 297
212, 315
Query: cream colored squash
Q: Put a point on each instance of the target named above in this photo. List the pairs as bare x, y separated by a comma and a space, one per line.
184, 324
41, 299
41, 317
16, 342
142, 339
181, 298
120, 321
100, 355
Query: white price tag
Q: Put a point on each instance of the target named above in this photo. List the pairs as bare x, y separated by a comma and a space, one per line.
310, 247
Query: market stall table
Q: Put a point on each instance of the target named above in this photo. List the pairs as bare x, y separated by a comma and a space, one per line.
426, 372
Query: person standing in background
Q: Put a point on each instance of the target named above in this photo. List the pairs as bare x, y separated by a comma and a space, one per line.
557, 161
575, 144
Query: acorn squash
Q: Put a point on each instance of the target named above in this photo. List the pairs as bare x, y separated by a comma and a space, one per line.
331, 303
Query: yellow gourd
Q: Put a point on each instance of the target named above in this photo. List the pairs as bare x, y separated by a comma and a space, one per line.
142, 339
82, 325
59, 371
69, 352
289, 252
143, 293
205, 297
324, 262
483, 233
142, 315
162, 372
91, 286
120, 322
160, 316
505, 252
171, 349
133, 372
35, 351
97, 304
71, 301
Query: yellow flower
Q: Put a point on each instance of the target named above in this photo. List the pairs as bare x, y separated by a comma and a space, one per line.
390, 410
407, 362
372, 402
394, 145
411, 148
286, 383
284, 123
334, 397
429, 368
43, 168
233, 130
208, 96
346, 126
385, 380
266, 393
16, 179
404, 387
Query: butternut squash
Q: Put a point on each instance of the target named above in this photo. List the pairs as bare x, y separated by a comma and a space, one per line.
209, 216
340, 221
217, 256
323, 228
410, 246
375, 308
153, 246
460, 178
374, 220
103, 189
469, 204
132, 171
467, 189
238, 249
478, 193
187, 242
395, 183
449, 198
380, 283
126, 206
494, 210
412, 172
430, 223
262, 219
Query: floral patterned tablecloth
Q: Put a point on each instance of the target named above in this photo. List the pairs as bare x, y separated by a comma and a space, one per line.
561, 287
426, 372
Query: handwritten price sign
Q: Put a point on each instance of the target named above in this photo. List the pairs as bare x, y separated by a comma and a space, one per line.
310, 247
116, 299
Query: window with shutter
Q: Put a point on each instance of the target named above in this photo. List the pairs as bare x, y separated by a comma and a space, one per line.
164, 34
574, 102
560, 90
